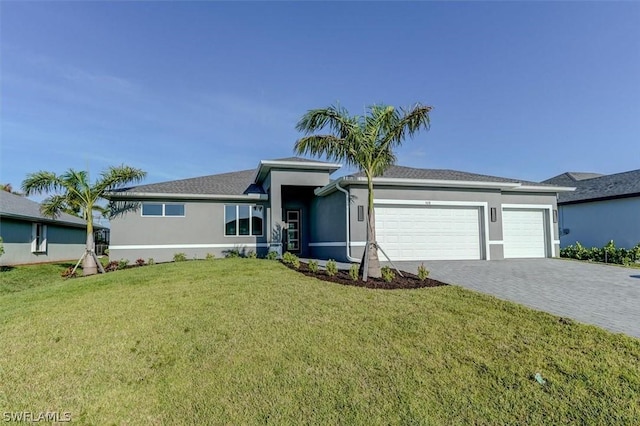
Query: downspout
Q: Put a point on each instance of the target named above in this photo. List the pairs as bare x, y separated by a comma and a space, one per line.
347, 209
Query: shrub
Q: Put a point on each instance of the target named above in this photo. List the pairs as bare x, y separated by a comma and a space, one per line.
112, 266
232, 254
151, 261
423, 273
140, 262
179, 257
387, 274
291, 259
68, 273
609, 253
272, 255
1, 246
210, 256
106, 252
313, 266
122, 263
252, 254
353, 272
287, 258
331, 267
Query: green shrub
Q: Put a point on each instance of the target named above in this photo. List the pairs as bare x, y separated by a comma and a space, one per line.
353, 272
1, 246
106, 252
151, 261
313, 266
331, 267
232, 254
609, 253
122, 263
272, 255
423, 273
210, 256
291, 259
179, 257
387, 274
252, 254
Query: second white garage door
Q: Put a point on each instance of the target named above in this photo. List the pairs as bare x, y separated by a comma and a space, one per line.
524, 233
429, 232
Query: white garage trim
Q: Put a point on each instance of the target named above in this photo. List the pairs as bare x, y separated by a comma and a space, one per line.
483, 206
549, 230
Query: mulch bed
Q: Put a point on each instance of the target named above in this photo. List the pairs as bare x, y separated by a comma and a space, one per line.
407, 281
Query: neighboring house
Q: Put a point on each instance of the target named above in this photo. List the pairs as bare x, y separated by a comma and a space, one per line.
292, 203
602, 208
30, 237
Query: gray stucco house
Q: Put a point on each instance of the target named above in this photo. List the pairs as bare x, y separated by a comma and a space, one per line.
602, 208
30, 237
291, 204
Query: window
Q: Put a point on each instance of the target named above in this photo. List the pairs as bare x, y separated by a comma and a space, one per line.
162, 209
243, 220
38, 238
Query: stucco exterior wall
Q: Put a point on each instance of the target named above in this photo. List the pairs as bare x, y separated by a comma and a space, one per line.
63, 243
199, 232
596, 223
328, 230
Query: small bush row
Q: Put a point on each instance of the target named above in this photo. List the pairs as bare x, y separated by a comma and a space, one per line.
607, 254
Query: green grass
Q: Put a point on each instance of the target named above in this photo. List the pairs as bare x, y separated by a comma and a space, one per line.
238, 341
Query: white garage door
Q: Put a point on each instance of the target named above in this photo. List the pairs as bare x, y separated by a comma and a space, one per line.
524, 233
428, 232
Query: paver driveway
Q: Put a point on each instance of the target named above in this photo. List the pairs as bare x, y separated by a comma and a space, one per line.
607, 296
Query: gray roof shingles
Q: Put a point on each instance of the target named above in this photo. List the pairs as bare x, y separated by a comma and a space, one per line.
12, 205
401, 172
601, 187
232, 183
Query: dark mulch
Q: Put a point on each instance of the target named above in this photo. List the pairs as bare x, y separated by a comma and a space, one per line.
407, 281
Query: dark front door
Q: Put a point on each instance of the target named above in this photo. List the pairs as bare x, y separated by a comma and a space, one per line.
293, 230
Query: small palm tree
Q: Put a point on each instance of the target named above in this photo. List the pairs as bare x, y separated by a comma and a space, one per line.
366, 142
74, 193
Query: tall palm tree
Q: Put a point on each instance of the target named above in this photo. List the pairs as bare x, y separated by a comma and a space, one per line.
366, 142
72, 191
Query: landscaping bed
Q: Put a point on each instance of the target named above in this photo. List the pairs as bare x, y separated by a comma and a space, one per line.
406, 281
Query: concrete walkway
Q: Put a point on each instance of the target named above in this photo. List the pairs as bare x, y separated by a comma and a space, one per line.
606, 296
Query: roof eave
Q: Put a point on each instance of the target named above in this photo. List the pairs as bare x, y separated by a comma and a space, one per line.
155, 195
503, 186
44, 219
265, 166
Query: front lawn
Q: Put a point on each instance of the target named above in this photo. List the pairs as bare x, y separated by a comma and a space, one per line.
240, 341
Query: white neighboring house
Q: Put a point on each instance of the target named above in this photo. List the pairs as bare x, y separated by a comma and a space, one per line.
601, 209
30, 237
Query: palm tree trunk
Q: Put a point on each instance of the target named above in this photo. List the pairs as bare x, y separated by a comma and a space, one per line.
89, 266
373, 269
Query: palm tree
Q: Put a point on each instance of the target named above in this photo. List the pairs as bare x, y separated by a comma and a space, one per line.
73, 192
366, 142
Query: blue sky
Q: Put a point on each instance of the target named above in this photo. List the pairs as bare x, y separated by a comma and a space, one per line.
524, 90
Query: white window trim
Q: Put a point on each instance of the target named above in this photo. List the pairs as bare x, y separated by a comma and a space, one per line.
42, 247
549, 208
163, 210
237, 235
482, 205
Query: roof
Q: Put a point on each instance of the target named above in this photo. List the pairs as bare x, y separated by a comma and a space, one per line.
232, 184
16, 206
570, 178
600, 187
401, 172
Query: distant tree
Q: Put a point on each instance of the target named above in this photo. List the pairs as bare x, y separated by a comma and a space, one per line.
7, 187
366, 142
72, 191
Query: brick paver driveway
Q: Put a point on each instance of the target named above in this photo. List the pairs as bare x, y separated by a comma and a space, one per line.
606, 296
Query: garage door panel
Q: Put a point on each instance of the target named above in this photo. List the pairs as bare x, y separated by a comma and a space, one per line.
429, 232
524, 233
